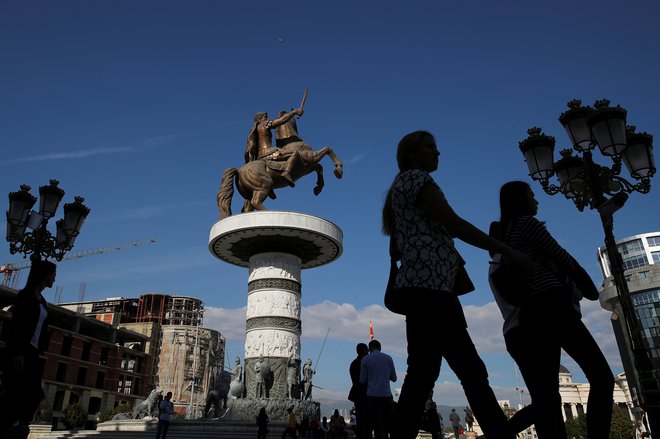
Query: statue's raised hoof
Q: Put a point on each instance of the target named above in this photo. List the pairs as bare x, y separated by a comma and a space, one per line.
339, 172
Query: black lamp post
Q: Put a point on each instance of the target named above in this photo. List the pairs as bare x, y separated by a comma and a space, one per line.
26, 229
602, 188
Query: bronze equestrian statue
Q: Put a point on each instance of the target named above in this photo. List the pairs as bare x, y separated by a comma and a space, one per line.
269, 167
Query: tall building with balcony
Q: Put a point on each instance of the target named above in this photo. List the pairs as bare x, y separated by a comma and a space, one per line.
641, 261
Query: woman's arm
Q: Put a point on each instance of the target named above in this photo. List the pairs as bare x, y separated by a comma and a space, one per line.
431, 199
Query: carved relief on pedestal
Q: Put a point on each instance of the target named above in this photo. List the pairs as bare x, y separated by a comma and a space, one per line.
273, 303
274, 265
271, 343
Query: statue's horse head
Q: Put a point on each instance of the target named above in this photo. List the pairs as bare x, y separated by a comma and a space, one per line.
149, 404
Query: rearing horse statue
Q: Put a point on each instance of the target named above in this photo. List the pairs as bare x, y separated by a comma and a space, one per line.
269, 167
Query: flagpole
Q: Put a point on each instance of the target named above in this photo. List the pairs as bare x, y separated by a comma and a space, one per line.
319, 357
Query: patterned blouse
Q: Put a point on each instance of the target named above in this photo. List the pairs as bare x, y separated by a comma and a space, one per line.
428, 257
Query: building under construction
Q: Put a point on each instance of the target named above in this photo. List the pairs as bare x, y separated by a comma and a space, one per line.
187, 356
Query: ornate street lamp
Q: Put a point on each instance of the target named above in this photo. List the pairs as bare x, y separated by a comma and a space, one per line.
602, 188
26, 229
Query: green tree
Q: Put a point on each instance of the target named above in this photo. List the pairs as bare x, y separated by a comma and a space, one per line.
74, 416
577, 427
622, 426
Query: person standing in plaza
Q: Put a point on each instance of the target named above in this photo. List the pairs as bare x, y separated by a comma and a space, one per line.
422, 226
358, 393
27, 339
431, 421
165, 409
455, 421
262, 423
469, 418
376, 372
291, 425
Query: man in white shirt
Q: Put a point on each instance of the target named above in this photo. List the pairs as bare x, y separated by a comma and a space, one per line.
376, 371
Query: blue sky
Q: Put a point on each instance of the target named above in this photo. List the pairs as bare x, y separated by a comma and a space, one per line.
140, 106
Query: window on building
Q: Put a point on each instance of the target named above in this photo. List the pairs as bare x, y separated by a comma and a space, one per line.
653, 241
656, 257
87, 348
61, 372
104, 356
644, 274
73, 398
567, 411
82, 376
66, 346
94, 405
100, 380
59, 400
579, 408
633, 254
627, 278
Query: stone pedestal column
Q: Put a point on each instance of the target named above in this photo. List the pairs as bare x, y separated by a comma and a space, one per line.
275, 246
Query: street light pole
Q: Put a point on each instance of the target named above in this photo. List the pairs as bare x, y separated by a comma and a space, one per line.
588, 184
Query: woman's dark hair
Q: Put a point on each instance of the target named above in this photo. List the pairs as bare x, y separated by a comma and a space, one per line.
408, 143
403, 160
514, 201
39, 271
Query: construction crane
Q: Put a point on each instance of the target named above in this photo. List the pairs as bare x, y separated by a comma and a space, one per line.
9, 270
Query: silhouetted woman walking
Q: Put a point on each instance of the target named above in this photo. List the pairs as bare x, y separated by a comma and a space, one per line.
548, 319
422, 223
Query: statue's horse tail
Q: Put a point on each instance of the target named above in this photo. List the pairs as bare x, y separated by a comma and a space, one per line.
226, 192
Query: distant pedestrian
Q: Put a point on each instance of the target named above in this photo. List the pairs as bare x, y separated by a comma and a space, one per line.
469, 418
303, 426
455, 420
431, 420
291, 425
262, 423
376, 371
358, 393
315, 428
325, 428
337, 426
165, 410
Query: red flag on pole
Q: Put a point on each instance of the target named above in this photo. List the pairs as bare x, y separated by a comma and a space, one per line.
371, 331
